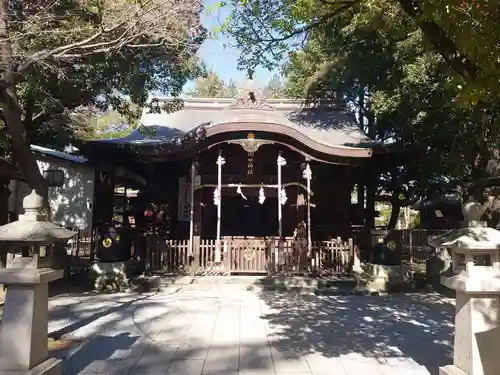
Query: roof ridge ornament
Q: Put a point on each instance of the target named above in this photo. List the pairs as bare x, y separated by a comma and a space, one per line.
250, 96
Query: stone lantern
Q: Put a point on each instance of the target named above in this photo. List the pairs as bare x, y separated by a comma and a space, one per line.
23, 332
476, 278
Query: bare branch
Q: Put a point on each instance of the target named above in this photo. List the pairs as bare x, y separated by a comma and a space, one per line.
114, 25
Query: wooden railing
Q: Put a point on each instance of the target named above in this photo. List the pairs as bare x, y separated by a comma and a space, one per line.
333, 257
250, 255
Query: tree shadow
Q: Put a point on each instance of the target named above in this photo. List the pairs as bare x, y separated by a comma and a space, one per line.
71, 203
149, 134
381, 328
98, 353
78, 317
152, 334
325, 120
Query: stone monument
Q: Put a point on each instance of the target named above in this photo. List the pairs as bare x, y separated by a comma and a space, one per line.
23, 331
476, 278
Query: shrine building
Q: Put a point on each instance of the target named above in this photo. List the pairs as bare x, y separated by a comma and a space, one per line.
225, 180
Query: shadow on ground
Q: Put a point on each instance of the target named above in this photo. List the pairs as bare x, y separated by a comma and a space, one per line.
134, 334
417, 326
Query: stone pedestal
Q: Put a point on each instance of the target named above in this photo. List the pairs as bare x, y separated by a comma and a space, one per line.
477, 333
23, 332
380, 276
113, 276
356, 261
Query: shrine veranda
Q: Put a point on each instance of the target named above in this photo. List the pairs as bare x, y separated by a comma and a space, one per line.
270, 181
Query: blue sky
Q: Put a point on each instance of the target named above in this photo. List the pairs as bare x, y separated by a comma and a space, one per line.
220, 54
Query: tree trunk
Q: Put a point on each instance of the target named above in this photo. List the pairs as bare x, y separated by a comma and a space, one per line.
12, 111
4, 202
396, 209
370, 205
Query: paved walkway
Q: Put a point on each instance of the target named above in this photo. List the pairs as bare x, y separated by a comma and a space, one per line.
226, 329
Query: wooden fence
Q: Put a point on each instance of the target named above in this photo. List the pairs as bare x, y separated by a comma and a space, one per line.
261, 255
250, 255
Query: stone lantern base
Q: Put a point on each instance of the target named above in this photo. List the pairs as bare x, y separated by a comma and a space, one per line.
23, 332
51, 366
477, 326
451, 370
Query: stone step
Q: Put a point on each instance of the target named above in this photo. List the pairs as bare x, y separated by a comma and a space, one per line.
271, 284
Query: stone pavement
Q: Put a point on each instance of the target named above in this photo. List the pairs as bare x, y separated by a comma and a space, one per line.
227, 329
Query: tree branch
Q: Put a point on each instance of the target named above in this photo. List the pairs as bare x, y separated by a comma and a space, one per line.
152, 23
320, 21
440, 41
44, 117
390, 198
29, 110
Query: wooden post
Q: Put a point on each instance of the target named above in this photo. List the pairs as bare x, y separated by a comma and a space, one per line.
410, 246
191, 211
308, 176
220, 163
280, 163
194, 259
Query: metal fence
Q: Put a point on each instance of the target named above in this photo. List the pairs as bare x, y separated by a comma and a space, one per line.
81, 245
414, 245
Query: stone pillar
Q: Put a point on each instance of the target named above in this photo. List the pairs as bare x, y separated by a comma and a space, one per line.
23, 332
477, 336
476, 278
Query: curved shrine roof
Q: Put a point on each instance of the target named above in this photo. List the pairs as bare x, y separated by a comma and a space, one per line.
323, 128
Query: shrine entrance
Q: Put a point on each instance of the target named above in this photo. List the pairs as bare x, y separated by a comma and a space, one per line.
248, 217
249, 228
258, 219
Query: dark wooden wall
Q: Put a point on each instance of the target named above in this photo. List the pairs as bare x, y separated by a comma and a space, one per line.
331, 185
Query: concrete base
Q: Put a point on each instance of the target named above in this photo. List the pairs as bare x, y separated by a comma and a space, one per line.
378, 277
25, 319
51, 366
378, 285
450, 370
111, 276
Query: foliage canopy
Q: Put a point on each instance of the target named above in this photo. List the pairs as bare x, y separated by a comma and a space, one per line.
61, 60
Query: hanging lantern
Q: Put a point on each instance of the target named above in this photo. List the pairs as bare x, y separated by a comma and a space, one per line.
262, 197
216, 197
283, 197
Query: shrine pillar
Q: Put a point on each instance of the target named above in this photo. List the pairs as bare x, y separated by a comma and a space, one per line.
281, 162
307, 174
220, 163
191, 211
